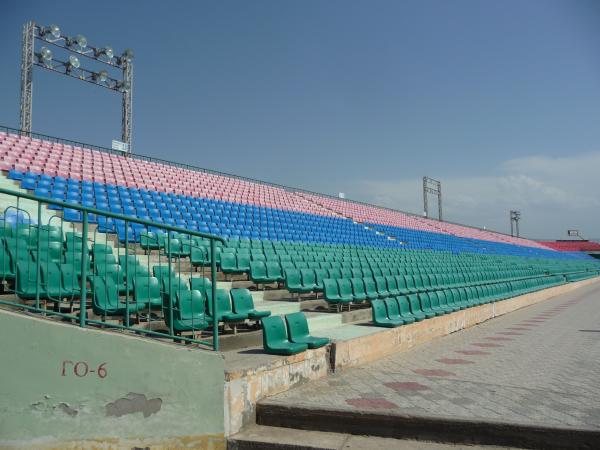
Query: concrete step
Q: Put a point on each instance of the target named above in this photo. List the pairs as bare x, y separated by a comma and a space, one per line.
260, 437
320, 321
400, 425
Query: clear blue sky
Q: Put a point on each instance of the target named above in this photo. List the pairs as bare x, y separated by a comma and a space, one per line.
363, 97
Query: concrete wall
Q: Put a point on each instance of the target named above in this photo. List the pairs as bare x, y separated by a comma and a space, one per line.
245, 387
67, 387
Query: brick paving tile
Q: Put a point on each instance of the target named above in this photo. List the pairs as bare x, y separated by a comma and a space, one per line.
547, 374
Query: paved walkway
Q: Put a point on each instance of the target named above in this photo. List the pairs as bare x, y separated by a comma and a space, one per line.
538, 365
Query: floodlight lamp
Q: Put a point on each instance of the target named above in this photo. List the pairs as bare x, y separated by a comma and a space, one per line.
127, 55
79, 42
73, 63
123, 85
101, 77
52, 30
45, 55
106, 51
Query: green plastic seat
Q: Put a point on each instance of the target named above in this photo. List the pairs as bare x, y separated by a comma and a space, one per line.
70, 278
26, 280
320, 275
392, 285
381, 287
370, 289
52, 282
443, 301
426, 305
146, 291
243, 304
406, 311
331, 290
199, 257
114, 272
228, 263
358, 289
274, 271
393, 311
380, 317
150, 241
7, 270
200, 284
258, 272
106, 299
309, 280
224, 311
293, 281
298, 332
188, 312
410, 284
275, 339
101, 249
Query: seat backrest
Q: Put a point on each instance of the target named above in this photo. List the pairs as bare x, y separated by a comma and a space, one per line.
345, 287
391, 307
330, 287
358, 286
106, 293
258, 268
145, 287
308, 276
273, 269
228, 260
190, 306
391, 282
380, 284
413, 301
403, 305
335, 273
243, 261
274, 330
242, 300
425, 300
370, 287
378, 310
292, 277
320, 275
297, 325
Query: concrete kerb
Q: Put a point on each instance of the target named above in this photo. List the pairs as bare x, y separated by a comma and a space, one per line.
245, 387
436, 429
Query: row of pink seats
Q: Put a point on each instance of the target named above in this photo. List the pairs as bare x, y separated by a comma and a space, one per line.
56, 159
373, 214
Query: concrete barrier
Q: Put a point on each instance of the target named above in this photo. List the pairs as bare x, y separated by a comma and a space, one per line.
244, 387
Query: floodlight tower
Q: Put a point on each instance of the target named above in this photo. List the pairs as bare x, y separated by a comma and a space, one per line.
431, 186
515, 216
77, 46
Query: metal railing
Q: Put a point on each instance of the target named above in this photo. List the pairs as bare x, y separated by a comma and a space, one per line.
147, 286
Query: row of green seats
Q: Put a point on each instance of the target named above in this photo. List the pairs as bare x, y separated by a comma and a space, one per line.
291, 337
406, 309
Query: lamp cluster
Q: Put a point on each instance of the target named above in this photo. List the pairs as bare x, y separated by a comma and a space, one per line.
78, 45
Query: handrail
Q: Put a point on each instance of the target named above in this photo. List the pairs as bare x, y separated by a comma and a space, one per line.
225, 174
127, 219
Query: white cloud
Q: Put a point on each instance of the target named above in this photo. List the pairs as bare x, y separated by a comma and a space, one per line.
553, 194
